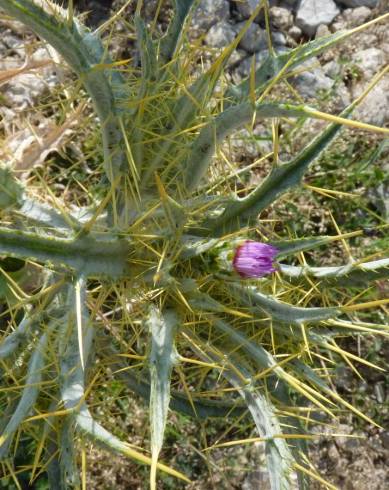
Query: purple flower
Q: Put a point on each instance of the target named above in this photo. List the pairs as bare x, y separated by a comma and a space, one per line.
254, 259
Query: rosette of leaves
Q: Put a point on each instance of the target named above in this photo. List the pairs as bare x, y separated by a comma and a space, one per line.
133, 288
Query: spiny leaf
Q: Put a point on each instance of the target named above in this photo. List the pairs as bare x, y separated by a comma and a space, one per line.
85, 254
204, 408
163, 356
104, 438
169, 42
30, 392
345, 275
280, 180
12, 341
279, 310
174, 212
278, 455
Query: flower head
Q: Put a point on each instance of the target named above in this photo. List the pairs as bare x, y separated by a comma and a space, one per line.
254, 259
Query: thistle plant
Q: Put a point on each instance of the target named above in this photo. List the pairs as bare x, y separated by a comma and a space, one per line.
164, 280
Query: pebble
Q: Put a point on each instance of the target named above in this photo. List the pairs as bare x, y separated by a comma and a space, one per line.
281, 18
220, 35
312, 13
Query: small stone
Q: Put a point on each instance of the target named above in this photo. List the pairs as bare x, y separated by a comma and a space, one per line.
244, 68
385, 439
278, 38
295, 33
246, 7
374, 109
322, 31
310, 83
369, 61
360, 3
220, 35
257, 479
255, 38
281, 18
339, 25
312, 13
332, 69
290, 3
356, 17
209, 12
333, 454
342, 97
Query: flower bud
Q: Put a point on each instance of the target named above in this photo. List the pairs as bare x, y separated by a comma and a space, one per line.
254, 259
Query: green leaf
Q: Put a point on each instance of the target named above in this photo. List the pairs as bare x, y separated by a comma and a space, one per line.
29, 393
169, 42
345, 275
221, 126
179, 402
278, 310
278, 455
69, 474
241, 212
89, 255
11, 190
291, 247
162, 326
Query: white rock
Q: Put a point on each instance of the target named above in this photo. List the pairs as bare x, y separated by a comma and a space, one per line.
360, 3
312, 13
281, 18
255, 38
356, 17
220, 35
209, 12
374, 109
369, 61
24, 90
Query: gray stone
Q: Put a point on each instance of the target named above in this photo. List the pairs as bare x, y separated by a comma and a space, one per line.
360, 3
243, 69
209, 12
385, 439
310, 83
278, 38
246, 7
281, 18
312, 13
289, 3
255, 38
369, 61
356, 17
342, 97
332, 69
220, 35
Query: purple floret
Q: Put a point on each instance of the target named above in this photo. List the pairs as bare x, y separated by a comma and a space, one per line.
254, 259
